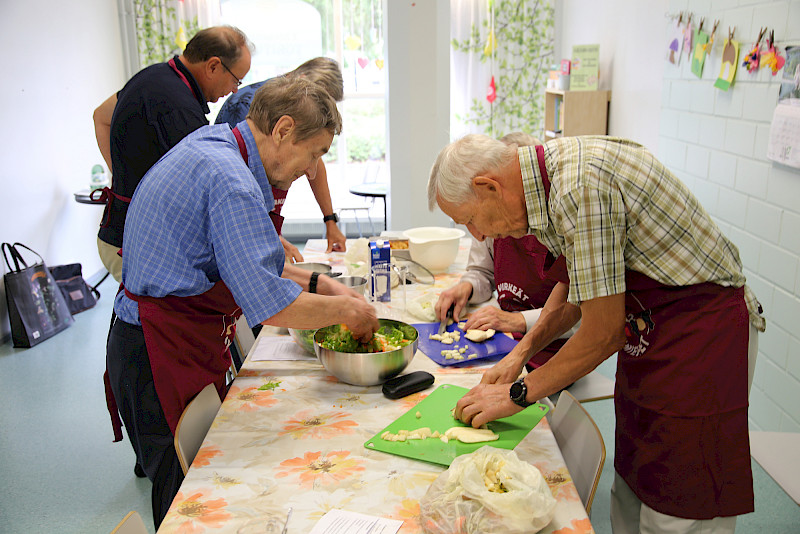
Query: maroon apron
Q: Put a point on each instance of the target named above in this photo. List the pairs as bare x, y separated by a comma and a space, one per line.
187, 342
517, 290
681, 441
280, 197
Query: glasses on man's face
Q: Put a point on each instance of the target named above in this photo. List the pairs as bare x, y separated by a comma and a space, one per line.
238, 81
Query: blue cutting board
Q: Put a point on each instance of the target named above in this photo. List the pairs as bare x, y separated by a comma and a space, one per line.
497, 346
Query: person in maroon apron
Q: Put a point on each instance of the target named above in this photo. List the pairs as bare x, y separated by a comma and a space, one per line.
681, 444
200, 250
508, 269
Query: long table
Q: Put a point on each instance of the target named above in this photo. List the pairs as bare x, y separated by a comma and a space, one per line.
289, 435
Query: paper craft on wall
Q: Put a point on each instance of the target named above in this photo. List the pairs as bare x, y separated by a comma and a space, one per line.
699, 56
772, 57
753, 57
675, 43
687, 38
730, 58
784, 132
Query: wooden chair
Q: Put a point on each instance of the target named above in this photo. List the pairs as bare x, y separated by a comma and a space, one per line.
130, 524
581, 444
194, 423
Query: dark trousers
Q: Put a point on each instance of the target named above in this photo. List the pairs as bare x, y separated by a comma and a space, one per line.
134, 390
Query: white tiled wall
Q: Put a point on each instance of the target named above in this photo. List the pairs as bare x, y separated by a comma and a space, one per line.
716, 142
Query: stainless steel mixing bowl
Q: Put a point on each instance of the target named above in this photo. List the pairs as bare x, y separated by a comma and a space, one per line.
367, 368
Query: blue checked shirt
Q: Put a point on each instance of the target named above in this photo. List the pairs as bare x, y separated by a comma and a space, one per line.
201, 215
614, 206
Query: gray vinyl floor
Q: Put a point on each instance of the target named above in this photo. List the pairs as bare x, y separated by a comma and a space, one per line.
62, 474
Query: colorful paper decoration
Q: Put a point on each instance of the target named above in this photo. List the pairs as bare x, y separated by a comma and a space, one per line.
751, 60
352, 42
491, 93
687, 39
180, 38
675, 42
730, 59
363, 62
491, 44
772, 57
699, 56
379, 64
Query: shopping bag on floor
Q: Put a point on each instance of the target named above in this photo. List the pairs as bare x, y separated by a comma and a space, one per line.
36, 308
77, 293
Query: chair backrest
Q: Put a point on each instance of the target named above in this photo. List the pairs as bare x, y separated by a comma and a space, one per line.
244, 337
194, 423
581, 444
130, 524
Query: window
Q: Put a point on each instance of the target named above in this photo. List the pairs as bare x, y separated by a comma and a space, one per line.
288, 32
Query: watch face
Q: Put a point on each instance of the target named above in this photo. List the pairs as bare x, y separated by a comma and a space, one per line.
516, 390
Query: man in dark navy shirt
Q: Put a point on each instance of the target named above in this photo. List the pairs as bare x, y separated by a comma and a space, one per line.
158, 107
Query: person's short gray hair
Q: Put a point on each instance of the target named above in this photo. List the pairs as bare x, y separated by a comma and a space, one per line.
311, 107
461, 161
324, 71
520, 139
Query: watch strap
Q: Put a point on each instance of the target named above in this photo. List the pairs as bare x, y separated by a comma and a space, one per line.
332, 217
521, 399
312, 282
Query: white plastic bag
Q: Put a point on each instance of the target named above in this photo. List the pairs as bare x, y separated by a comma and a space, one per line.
490, 490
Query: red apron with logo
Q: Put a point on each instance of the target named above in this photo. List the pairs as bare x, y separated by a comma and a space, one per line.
280, 197
517, 290
187, 342
681, 441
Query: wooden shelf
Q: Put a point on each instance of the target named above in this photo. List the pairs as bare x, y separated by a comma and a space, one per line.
579, 112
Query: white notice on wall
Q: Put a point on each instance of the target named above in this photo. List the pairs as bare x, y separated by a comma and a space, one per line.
344, 522
784, 134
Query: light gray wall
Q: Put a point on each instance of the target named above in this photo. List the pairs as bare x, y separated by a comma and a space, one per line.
716, 142
418, 59
61, 60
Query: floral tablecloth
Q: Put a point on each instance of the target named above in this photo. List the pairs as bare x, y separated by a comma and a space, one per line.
289, 435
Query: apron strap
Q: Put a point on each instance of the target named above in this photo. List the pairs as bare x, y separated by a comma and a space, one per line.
107, 197
543, 170
240, 141
181, 75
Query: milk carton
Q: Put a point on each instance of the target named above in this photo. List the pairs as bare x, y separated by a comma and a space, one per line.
380, 254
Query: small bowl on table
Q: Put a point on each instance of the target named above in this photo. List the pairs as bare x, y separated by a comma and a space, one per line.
367, 368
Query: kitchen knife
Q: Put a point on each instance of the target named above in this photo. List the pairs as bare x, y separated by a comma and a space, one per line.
448, 315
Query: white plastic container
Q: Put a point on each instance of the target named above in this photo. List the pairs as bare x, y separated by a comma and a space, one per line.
434, 247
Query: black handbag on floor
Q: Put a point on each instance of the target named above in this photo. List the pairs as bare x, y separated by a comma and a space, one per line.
79, 295
36, 308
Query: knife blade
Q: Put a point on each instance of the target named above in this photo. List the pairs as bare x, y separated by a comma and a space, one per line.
443, 323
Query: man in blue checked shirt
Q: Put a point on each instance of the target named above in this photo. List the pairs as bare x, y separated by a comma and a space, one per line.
199, 250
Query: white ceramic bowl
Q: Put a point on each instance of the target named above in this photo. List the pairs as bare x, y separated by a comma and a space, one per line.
433, 247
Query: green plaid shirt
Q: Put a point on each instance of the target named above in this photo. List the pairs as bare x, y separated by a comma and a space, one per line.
614, 206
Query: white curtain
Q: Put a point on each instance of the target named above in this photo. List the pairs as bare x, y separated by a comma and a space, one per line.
155, 30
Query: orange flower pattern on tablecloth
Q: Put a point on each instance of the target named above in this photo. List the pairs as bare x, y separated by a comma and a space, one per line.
412, 400
310, 425
560, 484
314, 469
579, 526
205, 454
408, 512
250, 399
198, 512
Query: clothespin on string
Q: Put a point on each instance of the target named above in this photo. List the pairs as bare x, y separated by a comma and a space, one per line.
713, 34
702, 21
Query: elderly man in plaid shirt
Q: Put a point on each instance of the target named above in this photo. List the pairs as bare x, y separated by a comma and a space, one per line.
650, 275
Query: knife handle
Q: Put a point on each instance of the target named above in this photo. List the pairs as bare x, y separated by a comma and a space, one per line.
402, 386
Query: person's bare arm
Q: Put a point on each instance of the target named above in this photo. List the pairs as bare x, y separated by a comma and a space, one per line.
322, 192
311, 310
291, 252
601, 334
102, 127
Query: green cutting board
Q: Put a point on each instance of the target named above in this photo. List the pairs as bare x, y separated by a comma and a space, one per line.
435, 414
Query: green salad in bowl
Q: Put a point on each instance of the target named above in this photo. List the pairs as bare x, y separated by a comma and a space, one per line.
304, 338
387, 338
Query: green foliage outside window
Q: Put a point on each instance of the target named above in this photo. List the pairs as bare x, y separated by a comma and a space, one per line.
524, 53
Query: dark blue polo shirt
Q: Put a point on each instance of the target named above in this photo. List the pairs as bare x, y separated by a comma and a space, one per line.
154, 111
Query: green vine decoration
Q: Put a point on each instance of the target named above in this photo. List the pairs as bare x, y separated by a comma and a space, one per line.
524, 53
157, 26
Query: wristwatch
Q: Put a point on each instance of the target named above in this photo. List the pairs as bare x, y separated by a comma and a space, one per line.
332, 217
518, 392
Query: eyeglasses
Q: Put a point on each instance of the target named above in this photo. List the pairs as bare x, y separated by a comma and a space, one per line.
238, 81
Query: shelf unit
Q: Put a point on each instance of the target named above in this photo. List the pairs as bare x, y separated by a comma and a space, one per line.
578, 113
